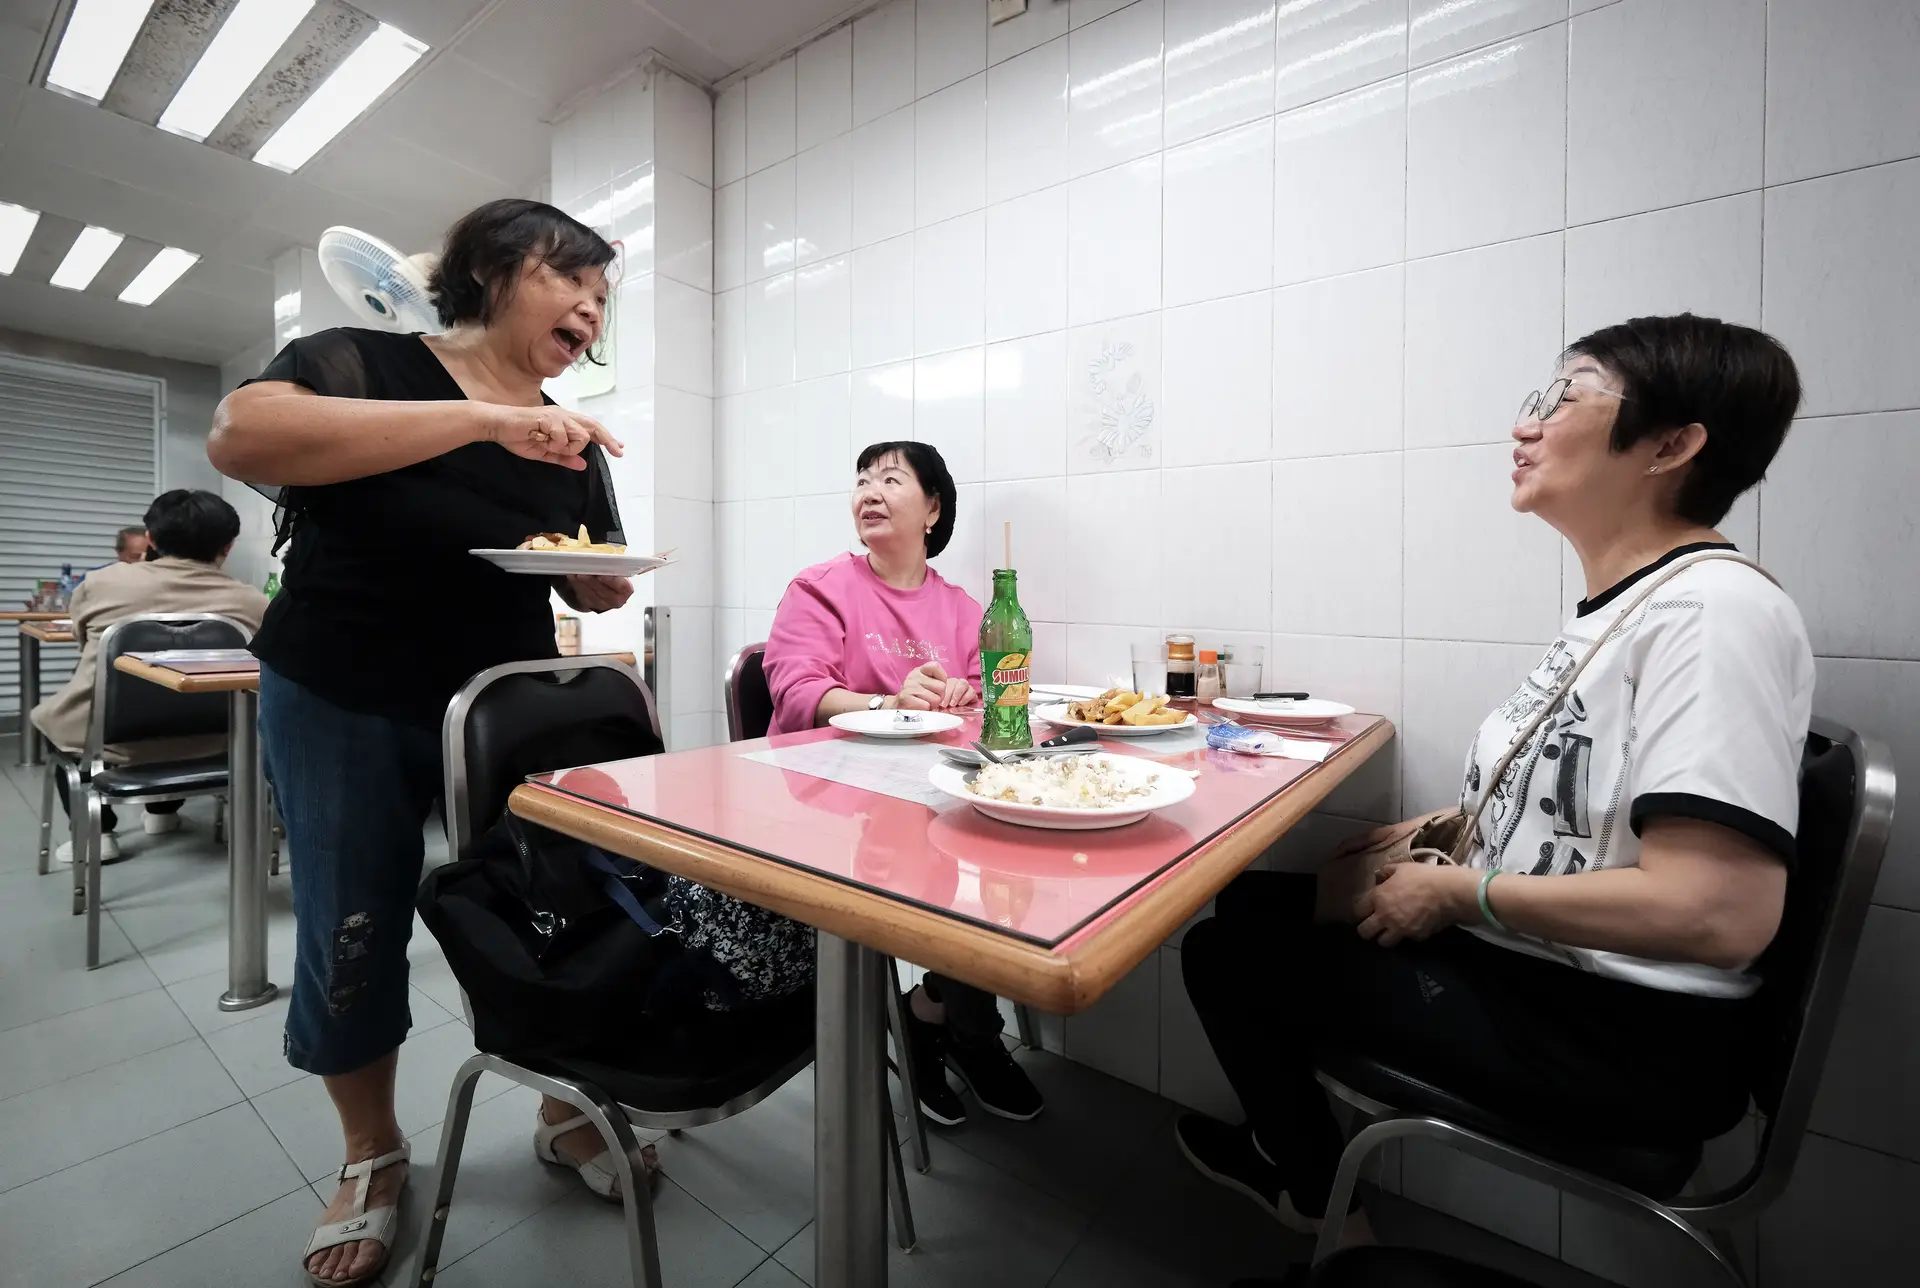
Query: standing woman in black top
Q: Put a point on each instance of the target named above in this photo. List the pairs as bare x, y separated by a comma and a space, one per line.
396, 455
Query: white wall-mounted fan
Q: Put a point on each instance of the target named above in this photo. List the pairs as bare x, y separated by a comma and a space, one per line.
384, 288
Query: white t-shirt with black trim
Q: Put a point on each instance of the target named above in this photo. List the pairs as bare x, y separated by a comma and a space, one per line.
1697, 708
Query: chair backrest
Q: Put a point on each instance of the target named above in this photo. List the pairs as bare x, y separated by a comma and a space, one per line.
1846, 815
127, 708
749, 700
525, 718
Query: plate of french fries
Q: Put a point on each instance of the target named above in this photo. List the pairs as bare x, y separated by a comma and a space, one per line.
553, 554
1119, 713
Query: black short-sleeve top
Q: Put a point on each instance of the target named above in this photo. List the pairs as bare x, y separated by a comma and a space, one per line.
381, 608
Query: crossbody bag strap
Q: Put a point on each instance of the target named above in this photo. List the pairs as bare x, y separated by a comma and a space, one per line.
1565, 685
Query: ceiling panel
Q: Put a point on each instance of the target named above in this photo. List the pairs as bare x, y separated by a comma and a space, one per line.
73, 134
23, 25
434, 21
459, 110
553, 51
740, 32
385, 172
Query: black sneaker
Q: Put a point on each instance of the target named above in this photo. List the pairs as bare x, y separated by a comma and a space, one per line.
927, 1045
1000, 1085
1228, 1156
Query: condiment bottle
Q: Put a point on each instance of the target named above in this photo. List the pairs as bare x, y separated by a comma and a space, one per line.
1207, 683
1180, 666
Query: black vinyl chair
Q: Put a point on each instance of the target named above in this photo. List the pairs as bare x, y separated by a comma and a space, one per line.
489, 727
127, 709
1846, 815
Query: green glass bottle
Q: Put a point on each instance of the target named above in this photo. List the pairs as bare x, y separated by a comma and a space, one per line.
1006, 654
272, 587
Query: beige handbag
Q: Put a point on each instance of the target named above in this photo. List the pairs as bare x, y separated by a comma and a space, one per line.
1445, 836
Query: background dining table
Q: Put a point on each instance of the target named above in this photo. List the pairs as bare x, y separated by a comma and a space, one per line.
34, 631
845, 834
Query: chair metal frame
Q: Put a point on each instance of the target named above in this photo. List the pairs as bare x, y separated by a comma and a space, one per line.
85, 808
1703, 1219
613, 1120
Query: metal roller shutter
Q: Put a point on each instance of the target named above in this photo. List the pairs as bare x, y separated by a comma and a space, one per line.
79, 454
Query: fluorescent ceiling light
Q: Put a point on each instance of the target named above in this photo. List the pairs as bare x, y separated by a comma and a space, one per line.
94, 45
364, 76
162, 271
88, 254
16, 225
251, 35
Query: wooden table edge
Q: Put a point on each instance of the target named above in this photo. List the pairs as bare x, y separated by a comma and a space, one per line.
182, 682
1062, 980
21, 615
39, 631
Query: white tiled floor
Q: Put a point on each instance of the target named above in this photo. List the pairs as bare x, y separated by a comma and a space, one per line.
148, 1139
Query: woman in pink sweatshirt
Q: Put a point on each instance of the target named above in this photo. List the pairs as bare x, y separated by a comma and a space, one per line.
879, 631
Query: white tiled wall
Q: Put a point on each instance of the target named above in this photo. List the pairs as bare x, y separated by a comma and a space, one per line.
1226, 304
637, 163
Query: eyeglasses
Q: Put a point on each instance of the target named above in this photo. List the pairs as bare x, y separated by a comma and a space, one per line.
1543, 403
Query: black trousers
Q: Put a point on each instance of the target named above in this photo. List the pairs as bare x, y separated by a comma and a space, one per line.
109, 821
1540, 1041
973, 1014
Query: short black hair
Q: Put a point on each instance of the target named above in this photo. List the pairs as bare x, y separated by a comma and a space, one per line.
1741, 384
188, 523
935, 480
121, 537
480, 263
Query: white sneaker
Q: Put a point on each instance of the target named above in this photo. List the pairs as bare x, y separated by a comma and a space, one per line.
160, 824
109, 850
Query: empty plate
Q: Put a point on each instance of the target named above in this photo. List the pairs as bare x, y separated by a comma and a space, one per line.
895, 724
1302, 711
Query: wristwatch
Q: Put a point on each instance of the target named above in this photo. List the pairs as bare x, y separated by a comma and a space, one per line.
876, 702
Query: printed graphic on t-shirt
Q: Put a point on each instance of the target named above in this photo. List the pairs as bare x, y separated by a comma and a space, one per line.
918, 651
1653, 714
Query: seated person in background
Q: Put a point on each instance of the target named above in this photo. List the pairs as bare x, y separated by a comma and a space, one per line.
190, 533
131, 545
1586, 968
883, 631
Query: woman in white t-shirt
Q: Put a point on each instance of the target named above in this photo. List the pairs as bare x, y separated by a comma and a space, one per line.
1587, 967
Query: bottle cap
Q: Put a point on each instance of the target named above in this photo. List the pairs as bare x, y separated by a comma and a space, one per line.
1209, 655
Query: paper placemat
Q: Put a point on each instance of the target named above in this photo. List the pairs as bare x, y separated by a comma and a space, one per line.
897, 769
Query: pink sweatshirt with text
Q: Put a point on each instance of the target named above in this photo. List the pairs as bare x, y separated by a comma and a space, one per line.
841, 627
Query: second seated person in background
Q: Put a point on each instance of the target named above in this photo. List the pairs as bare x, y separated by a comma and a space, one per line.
883, 631
189, 534
1587, 969
397, 454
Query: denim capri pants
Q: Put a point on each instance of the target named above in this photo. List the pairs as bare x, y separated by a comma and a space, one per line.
354, 791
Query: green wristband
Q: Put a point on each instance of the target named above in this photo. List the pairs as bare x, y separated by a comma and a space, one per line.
1486, 908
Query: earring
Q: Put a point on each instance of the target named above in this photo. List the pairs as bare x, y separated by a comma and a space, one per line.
929, 529
1653, 469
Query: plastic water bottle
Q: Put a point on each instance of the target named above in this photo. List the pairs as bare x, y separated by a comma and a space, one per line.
67, 582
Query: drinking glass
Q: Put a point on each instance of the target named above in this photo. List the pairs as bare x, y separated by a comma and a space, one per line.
1149, 668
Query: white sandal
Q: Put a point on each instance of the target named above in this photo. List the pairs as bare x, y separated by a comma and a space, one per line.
598, 1172
376, 1225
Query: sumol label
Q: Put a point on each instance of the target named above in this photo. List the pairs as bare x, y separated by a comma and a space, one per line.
1007, 676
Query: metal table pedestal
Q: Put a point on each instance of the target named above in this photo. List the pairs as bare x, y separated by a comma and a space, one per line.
849, 1133
248, 845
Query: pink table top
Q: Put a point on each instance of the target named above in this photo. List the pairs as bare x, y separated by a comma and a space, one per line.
1043, 887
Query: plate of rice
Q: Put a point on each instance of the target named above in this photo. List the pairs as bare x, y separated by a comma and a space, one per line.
1067, 793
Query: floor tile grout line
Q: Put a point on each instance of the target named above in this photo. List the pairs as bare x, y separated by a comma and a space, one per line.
111, 1064
108, 1153
81, 1010
184, 1242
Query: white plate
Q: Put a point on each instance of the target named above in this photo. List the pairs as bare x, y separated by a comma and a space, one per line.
887, 724
559, 563
1302, 711
1170, 788
1057, 714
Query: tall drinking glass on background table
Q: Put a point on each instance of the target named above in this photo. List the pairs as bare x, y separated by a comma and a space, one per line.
1243, 669
1149, 667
